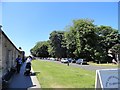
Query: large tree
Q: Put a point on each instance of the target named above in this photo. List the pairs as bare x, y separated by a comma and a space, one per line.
58, 48
70, 37
108, 37
85, 38
40, 49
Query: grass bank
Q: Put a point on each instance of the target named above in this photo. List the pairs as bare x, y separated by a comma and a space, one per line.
55, 75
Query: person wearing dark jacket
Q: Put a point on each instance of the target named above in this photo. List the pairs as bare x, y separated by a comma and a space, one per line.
19, 62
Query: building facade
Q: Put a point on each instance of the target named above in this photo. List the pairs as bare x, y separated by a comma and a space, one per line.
8, 53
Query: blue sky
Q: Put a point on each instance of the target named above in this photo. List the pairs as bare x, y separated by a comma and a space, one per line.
26, 23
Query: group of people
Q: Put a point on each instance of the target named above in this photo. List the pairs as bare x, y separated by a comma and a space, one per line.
19, 62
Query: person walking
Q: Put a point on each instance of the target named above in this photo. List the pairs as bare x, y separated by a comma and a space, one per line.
19, 62
29, 59
28, 66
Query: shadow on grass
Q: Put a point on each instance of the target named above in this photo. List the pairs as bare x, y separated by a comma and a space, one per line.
34, 73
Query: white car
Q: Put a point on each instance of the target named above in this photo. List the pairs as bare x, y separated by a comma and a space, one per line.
53, 59
64, 60
81, 61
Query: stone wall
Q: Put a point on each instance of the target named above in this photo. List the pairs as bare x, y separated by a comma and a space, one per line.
8, 53
0, 60
0, 50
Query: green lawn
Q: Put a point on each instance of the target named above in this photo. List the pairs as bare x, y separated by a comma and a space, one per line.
55, 75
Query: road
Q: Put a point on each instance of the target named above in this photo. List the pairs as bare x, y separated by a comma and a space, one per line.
91, 67
87, 67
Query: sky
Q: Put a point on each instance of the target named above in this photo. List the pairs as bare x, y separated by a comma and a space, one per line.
60, 0
26, 23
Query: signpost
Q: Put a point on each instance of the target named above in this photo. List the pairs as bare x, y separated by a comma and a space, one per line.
108, 79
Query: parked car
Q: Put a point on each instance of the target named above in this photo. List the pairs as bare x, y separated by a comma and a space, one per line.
70, 60
53, 59
81, 61
64, 60
73, 61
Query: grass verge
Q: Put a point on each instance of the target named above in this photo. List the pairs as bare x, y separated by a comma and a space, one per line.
55, 75
106, 64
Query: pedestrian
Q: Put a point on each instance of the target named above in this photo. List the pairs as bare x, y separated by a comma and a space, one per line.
28, 66
29, 59
19, 62
68, 63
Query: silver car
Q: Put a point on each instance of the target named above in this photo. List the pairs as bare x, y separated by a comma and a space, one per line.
81, 61
64, 60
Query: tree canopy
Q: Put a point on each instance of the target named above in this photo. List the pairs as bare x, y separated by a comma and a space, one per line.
82, 39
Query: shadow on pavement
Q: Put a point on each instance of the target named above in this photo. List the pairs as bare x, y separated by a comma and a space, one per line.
20, 81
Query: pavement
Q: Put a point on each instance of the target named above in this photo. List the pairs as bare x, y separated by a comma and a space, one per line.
24, 82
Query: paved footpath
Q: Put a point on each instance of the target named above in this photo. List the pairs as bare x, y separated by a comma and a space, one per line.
24, 82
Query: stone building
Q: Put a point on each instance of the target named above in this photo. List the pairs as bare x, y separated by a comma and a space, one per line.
8, 53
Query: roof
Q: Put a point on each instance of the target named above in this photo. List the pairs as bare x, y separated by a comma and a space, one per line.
8, 38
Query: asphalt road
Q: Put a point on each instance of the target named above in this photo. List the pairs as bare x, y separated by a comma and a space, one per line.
91, 67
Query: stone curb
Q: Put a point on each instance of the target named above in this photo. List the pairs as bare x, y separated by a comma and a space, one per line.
34, 81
